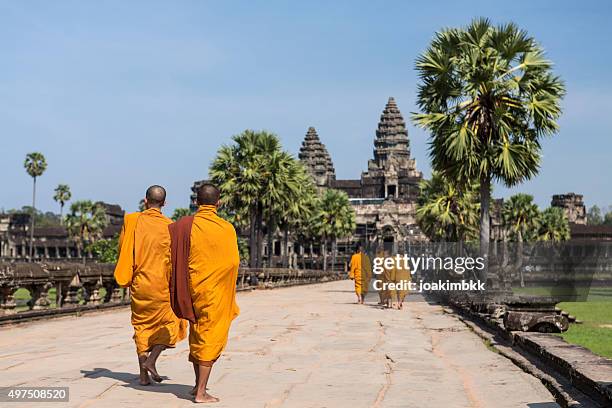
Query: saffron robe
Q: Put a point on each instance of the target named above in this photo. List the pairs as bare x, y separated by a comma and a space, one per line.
385, 277
144, 267
361, 271
213, 270
397, 276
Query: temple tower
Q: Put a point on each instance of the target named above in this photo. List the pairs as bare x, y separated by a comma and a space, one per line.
391, 145
314, 155
573, 206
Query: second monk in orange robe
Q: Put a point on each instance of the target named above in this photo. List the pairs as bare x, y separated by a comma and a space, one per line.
204, 269
144, 267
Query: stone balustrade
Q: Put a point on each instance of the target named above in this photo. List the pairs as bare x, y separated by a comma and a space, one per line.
79, 284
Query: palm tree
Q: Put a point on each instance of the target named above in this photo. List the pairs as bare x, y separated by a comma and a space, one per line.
446, 212
521, 219
62, 195
296, 213
282, 189
240, 171
488, 96
85, 223
35, 164
335, 219
554, 225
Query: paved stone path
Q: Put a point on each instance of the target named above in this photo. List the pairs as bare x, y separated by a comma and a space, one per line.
307, 346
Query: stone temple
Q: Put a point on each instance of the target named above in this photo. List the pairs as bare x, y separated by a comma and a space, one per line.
385, 196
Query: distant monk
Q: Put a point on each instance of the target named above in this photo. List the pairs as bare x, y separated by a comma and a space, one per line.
203, 286
360, 272
385, 277
400, 276
144, 267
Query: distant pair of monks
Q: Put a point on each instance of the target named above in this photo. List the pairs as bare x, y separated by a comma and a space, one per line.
361, 273
177, 273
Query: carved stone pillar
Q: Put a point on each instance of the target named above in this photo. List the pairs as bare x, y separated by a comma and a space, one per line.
113, 292
40, 296
7, 300
91, 293
116, 296
71, 298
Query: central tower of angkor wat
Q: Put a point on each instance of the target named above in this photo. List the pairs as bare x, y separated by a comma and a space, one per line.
385, 196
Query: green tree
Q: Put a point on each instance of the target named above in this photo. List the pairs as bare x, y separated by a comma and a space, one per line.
179, 213
141, 205
594, 216
105, 250
240, 170
296, 213
521, 218
334, 219
446, 212
554, 225
488, 96
62, 195
85, 223
608, 218
35, 164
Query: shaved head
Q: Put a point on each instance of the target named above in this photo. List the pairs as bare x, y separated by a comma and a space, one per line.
156, 196
208, 194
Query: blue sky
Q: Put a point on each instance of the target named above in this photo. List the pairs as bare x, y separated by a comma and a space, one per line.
120, 95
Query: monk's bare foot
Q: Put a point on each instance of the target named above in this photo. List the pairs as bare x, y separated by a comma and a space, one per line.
151, 369
206, 398
144, 378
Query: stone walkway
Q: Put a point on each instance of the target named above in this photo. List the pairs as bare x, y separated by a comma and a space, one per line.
307, 346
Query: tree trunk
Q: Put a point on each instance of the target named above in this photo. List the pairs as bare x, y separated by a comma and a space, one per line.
485, 221
334, 252
61, 214
270, 239
259, 224
324, 254
286, 243
519, 258
253, 239
33, 214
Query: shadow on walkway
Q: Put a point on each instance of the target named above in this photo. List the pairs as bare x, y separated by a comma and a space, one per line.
543, 405
131, 380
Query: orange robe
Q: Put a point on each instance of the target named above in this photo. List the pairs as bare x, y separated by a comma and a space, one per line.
361, 270
213, 270
400, 276
144, 267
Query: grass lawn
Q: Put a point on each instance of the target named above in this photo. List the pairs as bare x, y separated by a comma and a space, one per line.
595, 311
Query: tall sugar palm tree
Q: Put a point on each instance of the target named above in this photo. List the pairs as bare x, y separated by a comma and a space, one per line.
35, 164
238, 170
554, 225
85, 223
335, 219
62, 195
521, 219
447, 212
298, 211
488, 96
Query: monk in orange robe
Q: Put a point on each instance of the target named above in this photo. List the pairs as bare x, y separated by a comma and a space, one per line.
203, 285
144, 267
360, 272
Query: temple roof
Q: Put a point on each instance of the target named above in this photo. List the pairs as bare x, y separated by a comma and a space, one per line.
316, 158
391, 143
